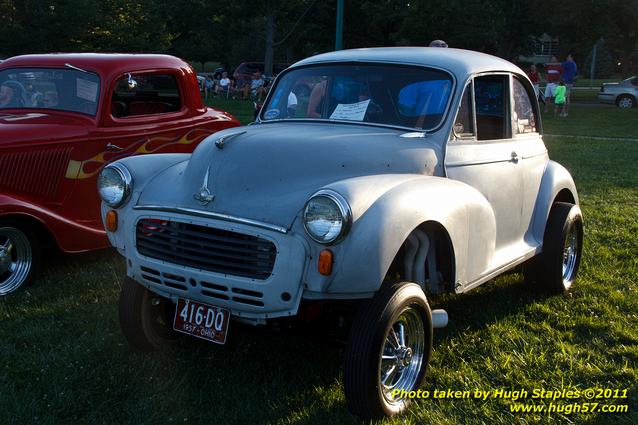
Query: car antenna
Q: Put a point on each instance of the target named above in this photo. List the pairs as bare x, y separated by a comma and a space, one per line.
68, 65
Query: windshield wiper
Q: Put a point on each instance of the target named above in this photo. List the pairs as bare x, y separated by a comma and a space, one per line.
68, 65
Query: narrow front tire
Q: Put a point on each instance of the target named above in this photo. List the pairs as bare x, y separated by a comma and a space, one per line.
388, 350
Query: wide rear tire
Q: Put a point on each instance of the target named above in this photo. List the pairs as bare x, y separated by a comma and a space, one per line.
389, 348
556, 268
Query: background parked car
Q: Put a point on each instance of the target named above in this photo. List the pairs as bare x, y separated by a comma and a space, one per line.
623, 94
63, 117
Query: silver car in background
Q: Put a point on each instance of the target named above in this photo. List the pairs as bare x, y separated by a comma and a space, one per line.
623, 94
399, 173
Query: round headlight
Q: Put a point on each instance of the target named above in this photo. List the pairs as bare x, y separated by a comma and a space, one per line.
114, 185
327, 217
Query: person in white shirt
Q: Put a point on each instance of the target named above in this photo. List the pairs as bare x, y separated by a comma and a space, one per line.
224, 83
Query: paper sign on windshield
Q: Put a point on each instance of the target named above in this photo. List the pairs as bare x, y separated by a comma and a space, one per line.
350, 111
86, 89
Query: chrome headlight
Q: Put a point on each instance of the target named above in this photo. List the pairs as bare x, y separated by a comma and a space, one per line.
114, 185
327, 217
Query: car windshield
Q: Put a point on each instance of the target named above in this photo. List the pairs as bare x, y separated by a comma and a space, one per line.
405, 96
49, 88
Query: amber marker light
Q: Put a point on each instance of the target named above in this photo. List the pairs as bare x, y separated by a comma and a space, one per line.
324, 266
111, 221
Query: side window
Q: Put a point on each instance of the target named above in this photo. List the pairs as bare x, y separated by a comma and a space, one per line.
634, 82
524, 118
153, 94
492, 107
464, 122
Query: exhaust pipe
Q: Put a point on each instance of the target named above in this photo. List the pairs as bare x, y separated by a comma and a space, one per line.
439, 318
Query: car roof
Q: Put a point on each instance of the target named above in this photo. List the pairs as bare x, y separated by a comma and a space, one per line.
458, 61
102, 63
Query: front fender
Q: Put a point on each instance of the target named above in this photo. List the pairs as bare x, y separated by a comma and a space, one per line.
69, 235
143, 169
386, 209
555, 179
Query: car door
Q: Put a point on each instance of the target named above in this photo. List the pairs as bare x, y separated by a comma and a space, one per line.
483, 154
531, 149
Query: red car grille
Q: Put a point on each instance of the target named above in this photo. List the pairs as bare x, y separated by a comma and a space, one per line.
36, 173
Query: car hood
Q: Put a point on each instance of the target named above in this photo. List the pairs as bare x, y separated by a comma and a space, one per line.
266, 172
16, 129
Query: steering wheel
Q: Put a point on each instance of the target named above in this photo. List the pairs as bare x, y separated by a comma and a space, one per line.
374, 113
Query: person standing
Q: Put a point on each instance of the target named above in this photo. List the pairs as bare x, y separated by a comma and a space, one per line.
535, 78
554, 70
570, 71
559, 102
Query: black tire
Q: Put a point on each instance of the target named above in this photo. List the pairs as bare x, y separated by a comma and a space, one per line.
146, 319
625, 101
555, 269
24, 251
365, 393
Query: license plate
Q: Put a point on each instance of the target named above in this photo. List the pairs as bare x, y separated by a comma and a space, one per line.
201, 320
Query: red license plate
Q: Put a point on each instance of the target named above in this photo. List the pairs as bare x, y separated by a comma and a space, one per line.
201, 320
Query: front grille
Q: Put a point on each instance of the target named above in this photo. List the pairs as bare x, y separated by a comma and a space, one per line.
206, 248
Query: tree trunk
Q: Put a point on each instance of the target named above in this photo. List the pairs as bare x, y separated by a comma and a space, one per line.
271, 5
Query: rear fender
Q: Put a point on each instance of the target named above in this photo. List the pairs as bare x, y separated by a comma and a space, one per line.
556, 183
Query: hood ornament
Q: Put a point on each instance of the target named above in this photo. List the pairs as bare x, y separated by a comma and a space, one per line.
219, 143
204, 196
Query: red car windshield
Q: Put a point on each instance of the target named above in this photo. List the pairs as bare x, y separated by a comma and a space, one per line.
49, 88
404, 96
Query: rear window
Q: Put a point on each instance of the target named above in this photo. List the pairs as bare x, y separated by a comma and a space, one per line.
144, 94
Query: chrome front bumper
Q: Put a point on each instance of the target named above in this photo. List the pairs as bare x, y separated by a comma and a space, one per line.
278, 295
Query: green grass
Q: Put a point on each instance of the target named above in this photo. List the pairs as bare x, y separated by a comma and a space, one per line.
64, 360
593, 121
243, 110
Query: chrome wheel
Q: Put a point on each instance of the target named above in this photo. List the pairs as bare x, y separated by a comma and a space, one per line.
625, 102
16, 259
570, 255
402, 354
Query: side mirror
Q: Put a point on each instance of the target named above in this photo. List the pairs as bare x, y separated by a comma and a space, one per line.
132, 84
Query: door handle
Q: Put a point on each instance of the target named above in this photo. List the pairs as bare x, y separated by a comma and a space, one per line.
514, 157
111, 147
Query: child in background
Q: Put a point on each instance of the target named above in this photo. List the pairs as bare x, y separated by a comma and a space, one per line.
560, 94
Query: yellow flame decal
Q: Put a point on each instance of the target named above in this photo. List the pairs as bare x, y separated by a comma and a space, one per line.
76, 169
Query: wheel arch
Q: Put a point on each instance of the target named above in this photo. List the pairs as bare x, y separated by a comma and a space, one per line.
445, 257
557, 185
44, 234
449, 209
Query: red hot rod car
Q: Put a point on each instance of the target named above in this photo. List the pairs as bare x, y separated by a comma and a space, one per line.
63, 117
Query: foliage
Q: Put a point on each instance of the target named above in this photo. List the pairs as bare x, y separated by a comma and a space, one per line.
232, 32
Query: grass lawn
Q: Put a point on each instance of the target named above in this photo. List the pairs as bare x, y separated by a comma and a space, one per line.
592, 121
243, 110
64, 360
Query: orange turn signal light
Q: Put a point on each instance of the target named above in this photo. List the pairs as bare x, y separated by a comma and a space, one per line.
111, 221
324, 265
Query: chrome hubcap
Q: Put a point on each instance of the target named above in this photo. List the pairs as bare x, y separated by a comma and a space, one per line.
15, 259
625, 103
402, 355
570, 254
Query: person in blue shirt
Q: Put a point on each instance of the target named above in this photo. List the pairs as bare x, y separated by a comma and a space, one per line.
570, 71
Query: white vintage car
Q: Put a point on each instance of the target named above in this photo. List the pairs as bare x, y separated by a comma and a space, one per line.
378, 176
